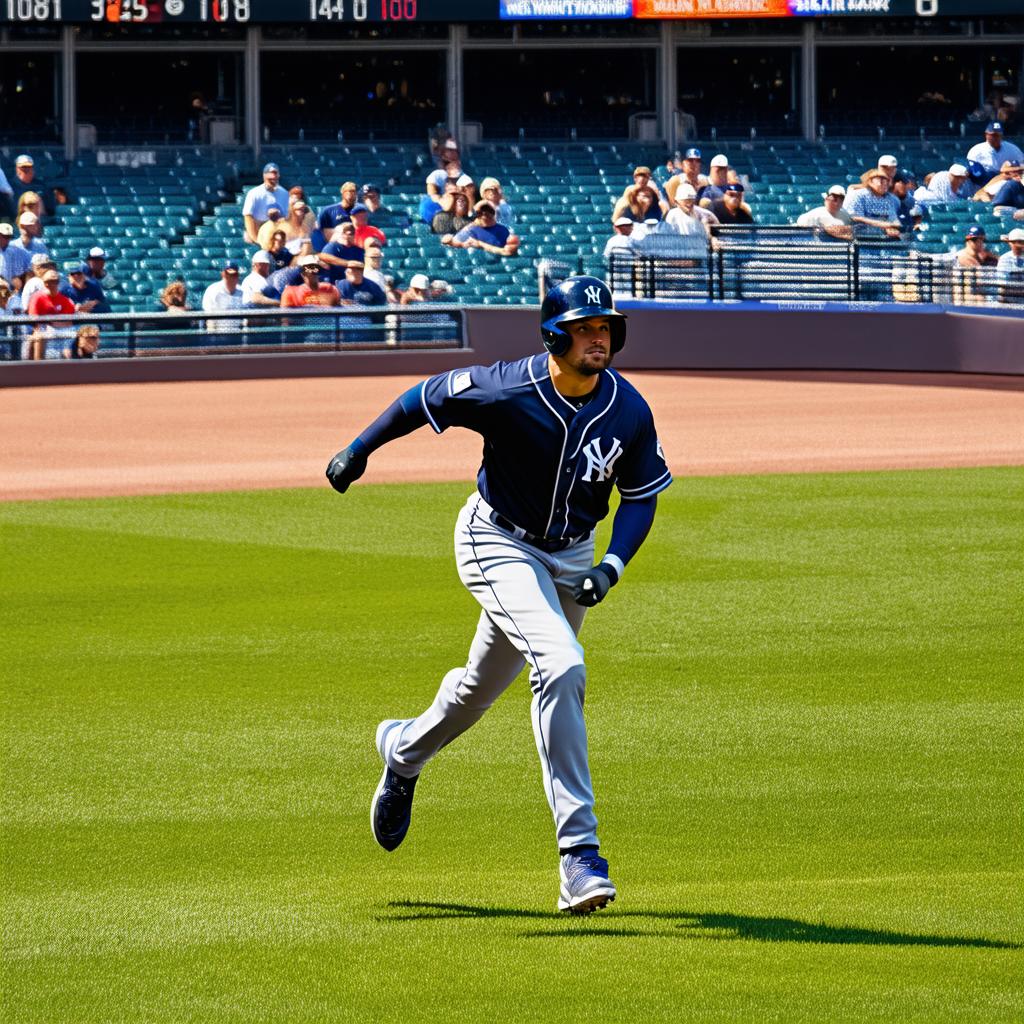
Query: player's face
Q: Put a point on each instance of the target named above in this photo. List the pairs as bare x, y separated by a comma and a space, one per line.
591, 348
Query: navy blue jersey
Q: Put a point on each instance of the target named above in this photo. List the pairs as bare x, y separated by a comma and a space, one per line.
332, 216
547, 466
366, 293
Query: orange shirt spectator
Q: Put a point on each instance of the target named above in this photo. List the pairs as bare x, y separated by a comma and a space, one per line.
312, 291
364, 229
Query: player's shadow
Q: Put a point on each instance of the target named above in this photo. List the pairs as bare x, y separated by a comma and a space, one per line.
685, 924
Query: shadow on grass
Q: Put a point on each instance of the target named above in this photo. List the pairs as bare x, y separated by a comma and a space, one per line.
687, 925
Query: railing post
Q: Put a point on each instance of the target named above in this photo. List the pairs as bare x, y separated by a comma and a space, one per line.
856, 271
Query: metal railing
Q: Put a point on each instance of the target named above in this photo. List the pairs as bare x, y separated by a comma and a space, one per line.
248, 331
781, 263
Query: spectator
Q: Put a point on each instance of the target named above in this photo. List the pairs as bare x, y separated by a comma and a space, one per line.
642, 179
15, 261
490, 189
465, 185
260, 198
830, 217
25, 180
949, 186
995, 150
281, 279
640, 203
373, 270
48, 340
450, 171
27, 239
6, 198
689, 172
903, 187
448, 222
974, 253
312, 291
31, 202
622, 240
418, 290
278, 252
223, 295
338, 213
6, 291
380, 216
97, 263
688, 219
340, 252
485, 233
356, 290
273, 223
1010, 268
297, 194
174, 298
364, 229
86, 343
87, 295
875, 207
1010, 196
41, 263
295, 227
718, 178
730, 208
256, 280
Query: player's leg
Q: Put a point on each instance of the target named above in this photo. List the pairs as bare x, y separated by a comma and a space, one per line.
464, 696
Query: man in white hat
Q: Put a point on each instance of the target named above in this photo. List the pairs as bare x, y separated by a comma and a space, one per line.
950, 186
256, 280
688, 219
1010, 268
622, 240
830, 216
418, 290
27, 239
14, 260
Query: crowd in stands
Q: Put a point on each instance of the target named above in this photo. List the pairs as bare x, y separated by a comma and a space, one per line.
337, 256
888, 202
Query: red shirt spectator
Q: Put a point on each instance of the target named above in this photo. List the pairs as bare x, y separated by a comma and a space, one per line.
312, 291
364, 229
47, 304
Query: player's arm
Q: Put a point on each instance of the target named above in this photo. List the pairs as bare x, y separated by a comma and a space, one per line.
402, 417
630, 527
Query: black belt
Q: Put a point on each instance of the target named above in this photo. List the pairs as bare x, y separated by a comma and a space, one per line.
506, 524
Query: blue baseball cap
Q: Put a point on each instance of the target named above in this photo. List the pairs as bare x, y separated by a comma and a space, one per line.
267, 168
369, 189
231, 265
905, 175
732, 186
994, 126
358, 208
975, 232
693, 153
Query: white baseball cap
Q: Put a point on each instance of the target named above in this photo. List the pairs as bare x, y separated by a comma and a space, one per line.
309, 260
28, 217
686, 191
721, 160
97, 253
6, 229
621, 222
420, 281
834, 190
24, 160
262, 257
888, 160
1016, 235
464, 179
958, 171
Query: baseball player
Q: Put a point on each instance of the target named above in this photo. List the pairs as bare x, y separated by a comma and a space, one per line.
560, 430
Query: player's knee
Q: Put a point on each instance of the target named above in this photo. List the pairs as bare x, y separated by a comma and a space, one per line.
464, 689
569, 675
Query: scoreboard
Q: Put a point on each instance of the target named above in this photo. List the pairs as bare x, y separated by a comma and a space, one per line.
143, 12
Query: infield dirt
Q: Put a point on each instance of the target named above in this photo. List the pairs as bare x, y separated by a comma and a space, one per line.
124, 439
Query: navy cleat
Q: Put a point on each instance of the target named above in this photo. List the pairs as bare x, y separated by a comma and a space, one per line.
391, 809
585, 886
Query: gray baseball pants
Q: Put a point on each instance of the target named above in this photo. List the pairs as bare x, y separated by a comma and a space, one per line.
529, 617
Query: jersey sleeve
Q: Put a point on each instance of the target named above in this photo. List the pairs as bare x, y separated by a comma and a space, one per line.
643, 472
456, 398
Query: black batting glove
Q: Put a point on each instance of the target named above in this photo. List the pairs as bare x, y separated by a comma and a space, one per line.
594, 585
345, 468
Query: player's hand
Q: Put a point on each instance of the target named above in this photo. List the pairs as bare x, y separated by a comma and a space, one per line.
592, 587
346, 467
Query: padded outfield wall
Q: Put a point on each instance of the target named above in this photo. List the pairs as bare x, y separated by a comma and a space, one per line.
745, 336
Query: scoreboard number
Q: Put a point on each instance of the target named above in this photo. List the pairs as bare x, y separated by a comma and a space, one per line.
34, 10
334, 10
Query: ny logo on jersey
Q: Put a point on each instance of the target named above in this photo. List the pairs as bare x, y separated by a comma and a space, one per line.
601, 464
593, 294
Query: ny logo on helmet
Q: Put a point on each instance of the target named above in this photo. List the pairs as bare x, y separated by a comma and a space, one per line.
601, 464
593, 294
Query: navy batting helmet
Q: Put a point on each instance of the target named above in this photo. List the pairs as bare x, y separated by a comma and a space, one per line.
576, 298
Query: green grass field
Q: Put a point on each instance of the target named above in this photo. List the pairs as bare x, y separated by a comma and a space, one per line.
805, 718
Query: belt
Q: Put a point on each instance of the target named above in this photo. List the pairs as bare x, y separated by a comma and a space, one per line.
543, 543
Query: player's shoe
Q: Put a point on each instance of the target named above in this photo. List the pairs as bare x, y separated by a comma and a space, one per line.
585, 886
392, 803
